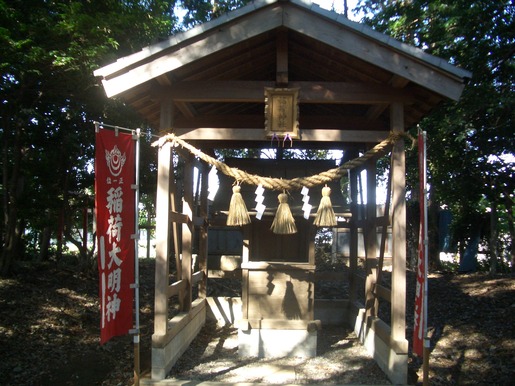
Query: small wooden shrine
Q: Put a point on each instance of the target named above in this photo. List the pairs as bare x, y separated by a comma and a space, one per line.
278, 270
280, 74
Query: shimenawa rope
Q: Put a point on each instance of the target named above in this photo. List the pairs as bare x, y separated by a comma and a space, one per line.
284, 222
280, 184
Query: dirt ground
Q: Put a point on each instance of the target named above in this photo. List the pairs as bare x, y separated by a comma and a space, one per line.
49, 331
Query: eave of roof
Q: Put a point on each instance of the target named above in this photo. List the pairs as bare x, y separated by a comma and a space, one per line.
142, 66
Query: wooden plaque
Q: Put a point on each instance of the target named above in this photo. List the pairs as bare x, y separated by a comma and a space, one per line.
282, 112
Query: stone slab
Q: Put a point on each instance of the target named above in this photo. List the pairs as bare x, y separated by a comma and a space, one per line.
271, 343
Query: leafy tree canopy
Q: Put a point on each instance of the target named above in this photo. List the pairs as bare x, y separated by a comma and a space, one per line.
49, 98
471, 142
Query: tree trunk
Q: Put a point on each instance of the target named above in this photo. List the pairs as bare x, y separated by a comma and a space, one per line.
13, 188
433, 236
511, 227
44, 244
11, 242
412, 232
493, 239
63, 216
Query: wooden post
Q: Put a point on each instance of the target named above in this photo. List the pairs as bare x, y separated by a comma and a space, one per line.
176, 229
398, 305
164, 173
384, 227
162, 239
187, 235
370, 234
203, 245
353, 234
245, 258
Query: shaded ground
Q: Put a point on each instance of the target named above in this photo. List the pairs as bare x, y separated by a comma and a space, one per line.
340, 359
49, 332
473, 330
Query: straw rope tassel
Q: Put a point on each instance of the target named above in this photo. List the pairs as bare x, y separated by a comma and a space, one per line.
284, 223
238, 214
325, 216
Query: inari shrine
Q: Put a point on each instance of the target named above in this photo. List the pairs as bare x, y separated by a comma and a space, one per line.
280, 74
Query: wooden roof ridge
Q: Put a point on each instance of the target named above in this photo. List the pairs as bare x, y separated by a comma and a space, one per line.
406, 61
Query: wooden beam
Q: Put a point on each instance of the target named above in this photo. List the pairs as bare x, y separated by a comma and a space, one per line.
219, 274
342, 122
383, 331
383, 292
187, 109
197, 277
322, 135
178, 217
175, 288
376, 110
309, 92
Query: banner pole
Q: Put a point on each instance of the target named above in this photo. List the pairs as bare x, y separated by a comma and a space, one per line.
136, 266
426, 351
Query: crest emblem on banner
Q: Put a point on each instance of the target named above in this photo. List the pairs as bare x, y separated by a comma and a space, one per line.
115, 160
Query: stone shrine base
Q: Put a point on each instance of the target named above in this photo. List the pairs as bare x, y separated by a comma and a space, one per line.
271, 343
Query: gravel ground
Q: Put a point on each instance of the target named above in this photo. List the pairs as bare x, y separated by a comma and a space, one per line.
213, 357
49, 335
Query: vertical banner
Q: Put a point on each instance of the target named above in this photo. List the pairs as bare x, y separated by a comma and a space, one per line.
420, 321
115, 212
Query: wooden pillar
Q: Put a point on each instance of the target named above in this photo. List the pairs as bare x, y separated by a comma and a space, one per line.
162, 239
245, 258
187, 235
164, 172
370, 238
398, 304
203, 244
353, 235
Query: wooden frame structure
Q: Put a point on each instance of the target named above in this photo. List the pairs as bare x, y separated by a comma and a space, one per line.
206, 85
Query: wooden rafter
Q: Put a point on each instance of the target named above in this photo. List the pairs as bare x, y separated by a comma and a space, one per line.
310, 92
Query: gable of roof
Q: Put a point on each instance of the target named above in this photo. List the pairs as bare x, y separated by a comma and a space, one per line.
301, 16
346, 72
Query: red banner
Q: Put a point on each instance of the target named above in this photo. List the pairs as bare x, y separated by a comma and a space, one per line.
115, 213
420, 312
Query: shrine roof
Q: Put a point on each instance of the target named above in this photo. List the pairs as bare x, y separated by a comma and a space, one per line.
347, 75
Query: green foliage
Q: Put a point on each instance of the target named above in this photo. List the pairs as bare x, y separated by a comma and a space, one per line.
471, 142
200, 11
49, 98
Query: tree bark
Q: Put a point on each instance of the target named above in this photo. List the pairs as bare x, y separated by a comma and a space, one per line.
493, 239
13, 186
44, 243
511, 228
433, 236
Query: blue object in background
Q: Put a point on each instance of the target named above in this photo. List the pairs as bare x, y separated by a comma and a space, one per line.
444, 231
468, 262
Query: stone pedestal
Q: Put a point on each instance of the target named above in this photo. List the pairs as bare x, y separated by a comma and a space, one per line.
268, 343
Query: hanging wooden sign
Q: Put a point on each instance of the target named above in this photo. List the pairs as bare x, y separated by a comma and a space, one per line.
282, 112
